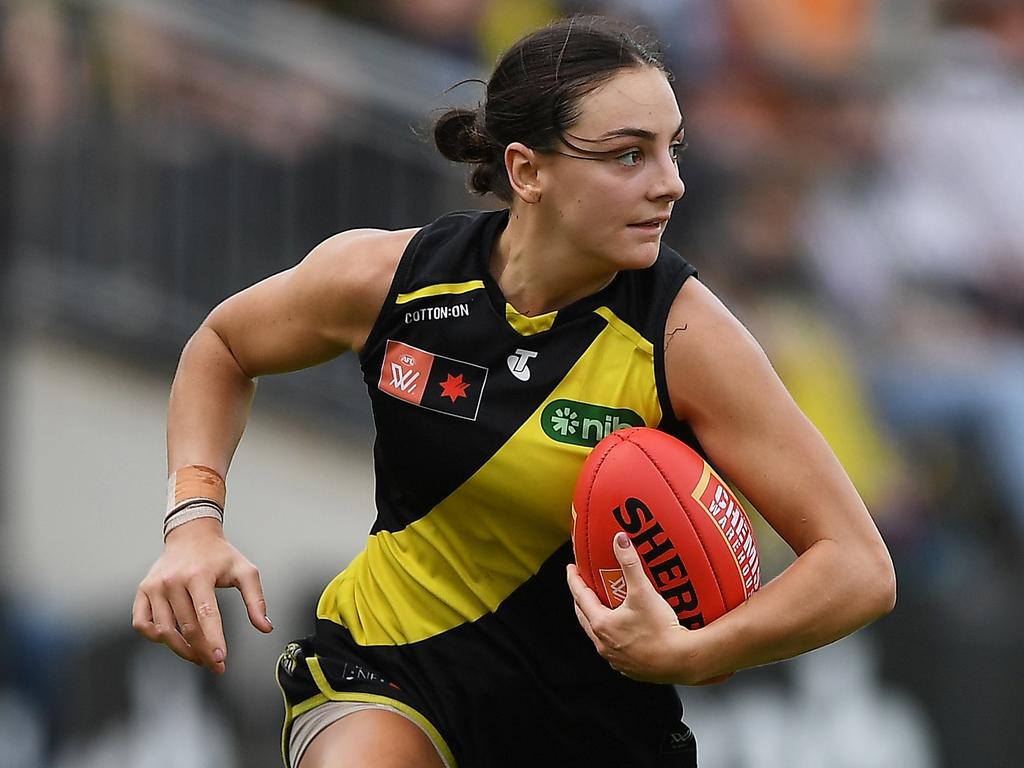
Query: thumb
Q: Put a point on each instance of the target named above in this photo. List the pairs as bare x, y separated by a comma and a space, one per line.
629, 559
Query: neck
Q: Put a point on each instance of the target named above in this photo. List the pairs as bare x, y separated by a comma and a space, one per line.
538, 270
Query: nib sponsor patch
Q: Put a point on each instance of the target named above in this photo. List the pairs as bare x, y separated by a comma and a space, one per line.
431, 381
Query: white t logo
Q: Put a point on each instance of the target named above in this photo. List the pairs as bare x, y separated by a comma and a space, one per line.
517, 363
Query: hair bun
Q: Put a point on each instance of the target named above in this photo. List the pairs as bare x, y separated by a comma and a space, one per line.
458, 137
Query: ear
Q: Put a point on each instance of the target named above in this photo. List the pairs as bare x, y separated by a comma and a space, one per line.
521, 164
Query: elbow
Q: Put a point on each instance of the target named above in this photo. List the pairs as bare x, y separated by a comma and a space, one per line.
881, 588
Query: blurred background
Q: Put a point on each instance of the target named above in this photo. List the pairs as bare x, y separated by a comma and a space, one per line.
855, 179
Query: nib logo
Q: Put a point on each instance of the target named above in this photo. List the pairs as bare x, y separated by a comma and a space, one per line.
576, 423
565, 421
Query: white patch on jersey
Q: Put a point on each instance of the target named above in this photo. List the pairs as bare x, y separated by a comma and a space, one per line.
517, 363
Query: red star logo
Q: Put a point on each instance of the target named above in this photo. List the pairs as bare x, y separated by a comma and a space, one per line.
454, 387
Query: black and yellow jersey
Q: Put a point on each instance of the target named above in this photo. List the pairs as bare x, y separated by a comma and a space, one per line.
484, 417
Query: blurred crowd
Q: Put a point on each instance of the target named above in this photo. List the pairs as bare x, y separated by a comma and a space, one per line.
854, 193
854, 178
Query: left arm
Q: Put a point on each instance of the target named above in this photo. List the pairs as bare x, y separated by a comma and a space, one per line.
723, 385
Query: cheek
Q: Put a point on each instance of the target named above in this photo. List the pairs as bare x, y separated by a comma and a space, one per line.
598, 206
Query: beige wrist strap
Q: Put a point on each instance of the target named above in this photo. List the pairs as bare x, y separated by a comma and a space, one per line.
193, 491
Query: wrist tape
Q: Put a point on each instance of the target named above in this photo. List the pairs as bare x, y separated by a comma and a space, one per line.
193, 491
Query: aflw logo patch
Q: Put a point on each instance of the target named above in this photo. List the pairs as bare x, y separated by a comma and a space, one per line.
614, 585
431, 381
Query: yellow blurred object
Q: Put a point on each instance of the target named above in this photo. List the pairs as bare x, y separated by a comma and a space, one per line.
505, 21
813, 363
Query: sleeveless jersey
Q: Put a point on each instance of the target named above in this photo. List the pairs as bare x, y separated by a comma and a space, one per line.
484, 417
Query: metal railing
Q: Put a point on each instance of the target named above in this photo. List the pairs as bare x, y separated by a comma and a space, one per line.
200, 147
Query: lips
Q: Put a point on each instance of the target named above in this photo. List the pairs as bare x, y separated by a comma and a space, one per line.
656, 221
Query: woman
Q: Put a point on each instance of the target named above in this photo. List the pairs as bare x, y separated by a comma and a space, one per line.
451, 638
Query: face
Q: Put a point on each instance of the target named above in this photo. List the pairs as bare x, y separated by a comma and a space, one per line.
612, 185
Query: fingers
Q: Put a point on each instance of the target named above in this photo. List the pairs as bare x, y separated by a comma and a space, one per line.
176, 603
584, 596
167, 632
247, 579
577, 584
192, 631
629, 559
637, 583
142, 617
585, 623
168, 615
158, 625
209, 634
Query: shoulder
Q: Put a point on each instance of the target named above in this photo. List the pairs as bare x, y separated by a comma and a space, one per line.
359, 260
348, 276
317, 309
708, 352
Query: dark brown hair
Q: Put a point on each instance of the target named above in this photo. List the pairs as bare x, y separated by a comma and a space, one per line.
534, 93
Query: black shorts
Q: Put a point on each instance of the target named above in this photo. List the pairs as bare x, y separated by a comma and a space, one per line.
308, 680
506, 726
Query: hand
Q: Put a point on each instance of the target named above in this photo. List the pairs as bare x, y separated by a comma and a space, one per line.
641, 638
176, 605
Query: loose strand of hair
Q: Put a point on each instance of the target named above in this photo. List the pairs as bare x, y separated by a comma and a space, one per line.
565, 43
468, 80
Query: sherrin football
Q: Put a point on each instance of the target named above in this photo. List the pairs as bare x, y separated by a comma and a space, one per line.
693, 537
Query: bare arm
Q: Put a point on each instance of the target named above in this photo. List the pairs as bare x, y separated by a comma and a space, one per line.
298, 318
843, 578
723, 385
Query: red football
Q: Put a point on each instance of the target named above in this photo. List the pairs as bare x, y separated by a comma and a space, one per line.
694, 539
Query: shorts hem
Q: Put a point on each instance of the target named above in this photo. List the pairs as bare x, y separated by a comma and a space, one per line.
328, 694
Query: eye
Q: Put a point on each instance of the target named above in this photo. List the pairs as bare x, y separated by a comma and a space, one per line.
676, 150
630, 158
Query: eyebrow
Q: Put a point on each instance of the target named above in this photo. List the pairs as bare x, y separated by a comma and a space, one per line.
640, 133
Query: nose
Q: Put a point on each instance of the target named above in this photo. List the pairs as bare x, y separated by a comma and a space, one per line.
667, 184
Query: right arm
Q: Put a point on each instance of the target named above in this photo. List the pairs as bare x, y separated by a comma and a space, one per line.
303, 316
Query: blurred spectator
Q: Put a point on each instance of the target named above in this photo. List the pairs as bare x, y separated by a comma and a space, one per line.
32, 692
761, 268
145, 712
449, 25
153, 75
817, 39
474, 30
34, 57
693, 32
836, 695
923, 249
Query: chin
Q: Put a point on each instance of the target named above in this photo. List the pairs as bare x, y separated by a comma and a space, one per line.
636, 256
621, 251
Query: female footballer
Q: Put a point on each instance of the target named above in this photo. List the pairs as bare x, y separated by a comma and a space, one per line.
462, 634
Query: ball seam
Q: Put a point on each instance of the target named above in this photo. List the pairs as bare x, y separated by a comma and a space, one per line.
590, 492
682, 505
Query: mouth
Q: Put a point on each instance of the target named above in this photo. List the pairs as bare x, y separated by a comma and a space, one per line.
651, 225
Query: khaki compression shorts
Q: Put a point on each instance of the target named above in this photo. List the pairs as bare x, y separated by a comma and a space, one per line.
309, 724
